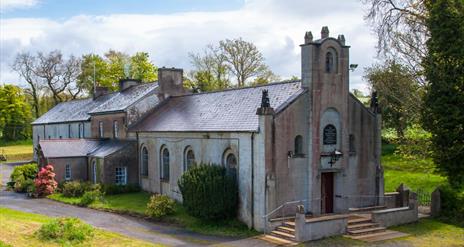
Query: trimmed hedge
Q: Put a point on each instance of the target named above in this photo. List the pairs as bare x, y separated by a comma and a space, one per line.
23, 177
159, 206
209, 192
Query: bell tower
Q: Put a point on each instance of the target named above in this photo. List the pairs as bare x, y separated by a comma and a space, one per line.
325, 74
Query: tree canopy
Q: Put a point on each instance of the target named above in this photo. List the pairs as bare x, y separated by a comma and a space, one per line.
443, 114
15, 114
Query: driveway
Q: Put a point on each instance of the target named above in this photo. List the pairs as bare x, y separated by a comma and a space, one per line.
126, 225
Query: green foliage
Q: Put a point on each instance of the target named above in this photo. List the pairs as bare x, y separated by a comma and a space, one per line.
159, 206
66, 231
443, 114
114, 189
77, 188
90, 197
112, 67
23, 177
208, 192
15, 114
398, 94
452, 203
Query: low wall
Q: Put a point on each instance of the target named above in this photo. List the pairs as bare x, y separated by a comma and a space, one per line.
395, 216
390, 199
319, 227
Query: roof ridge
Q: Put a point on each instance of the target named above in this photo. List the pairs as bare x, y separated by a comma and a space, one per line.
241, 88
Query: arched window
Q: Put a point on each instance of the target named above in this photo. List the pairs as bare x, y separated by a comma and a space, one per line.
144, 167
94, 171
81, 130
331, 61
189, 159
231, 164
164, 164
298, 145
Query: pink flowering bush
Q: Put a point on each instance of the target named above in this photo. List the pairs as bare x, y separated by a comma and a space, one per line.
45, 183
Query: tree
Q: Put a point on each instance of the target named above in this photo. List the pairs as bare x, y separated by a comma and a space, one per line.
24, 64
15, 113
243, 59
401, 31
443, 114
399, 95
114, 66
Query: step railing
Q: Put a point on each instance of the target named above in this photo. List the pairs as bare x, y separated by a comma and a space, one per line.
280, 209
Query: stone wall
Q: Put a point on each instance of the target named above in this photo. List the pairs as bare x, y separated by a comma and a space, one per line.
317, 228
78, 168
108, 120
126, 157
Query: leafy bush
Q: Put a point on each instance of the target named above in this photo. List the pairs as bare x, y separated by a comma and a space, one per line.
90, 196
114, 189
45, 182
415, 144
452, 203
27, 171
208, 192
159, 206
65, 230
22, 177
78, 188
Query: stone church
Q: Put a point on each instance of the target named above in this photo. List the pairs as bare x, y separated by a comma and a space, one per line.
308, 141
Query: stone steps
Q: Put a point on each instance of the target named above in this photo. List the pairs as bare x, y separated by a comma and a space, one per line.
277, 241
378, 236
284, 235
359, 221
366, 209
367, 230
286, 229
361, 226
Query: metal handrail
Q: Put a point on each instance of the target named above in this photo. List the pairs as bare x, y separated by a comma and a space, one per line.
266, 217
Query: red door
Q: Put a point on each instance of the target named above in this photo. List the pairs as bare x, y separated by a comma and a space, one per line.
327, 192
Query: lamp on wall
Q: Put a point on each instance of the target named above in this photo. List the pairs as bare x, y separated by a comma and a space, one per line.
334, 156
353, 66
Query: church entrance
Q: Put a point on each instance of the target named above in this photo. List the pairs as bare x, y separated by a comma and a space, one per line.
327, 192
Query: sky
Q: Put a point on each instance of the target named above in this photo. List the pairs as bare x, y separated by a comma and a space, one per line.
170, 30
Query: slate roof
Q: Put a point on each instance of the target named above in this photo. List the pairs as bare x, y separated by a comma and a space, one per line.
65, 148
229, 110
109, 147
60, 148
80, 110
121, 100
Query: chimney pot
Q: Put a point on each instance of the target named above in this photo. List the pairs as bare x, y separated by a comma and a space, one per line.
308, 37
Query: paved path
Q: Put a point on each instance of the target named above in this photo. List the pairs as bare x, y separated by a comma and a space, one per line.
126, 225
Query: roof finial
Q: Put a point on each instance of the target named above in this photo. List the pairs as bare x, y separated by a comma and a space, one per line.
324, 32
341, 39
308, 37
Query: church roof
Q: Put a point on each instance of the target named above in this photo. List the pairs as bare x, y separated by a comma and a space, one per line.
66, 148
229, 110
80, 110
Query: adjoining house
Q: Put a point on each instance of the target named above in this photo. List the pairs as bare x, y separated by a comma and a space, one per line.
306, 141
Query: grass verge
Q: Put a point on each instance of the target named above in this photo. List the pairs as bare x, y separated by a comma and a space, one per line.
18, 229
135, 204
17, 151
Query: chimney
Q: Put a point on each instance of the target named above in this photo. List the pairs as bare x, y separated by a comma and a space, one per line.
99, 91
170, 81
127, 83
308, 37
324, 32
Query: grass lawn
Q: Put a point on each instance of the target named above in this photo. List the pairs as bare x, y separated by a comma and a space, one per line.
427, 232
415, 173
17, 151
135, 203
17, 229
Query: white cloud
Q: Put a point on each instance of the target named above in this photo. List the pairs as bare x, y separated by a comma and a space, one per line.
276, 28
6, 5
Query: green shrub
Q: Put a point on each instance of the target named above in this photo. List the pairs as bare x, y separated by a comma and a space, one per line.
23, 176
27, 171
90, 196
114, 189
21, 185
159, 206
78, 188
452, 204
63, 230
208, 192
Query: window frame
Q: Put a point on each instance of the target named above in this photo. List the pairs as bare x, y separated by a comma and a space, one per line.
144, 162
115, 129
122, 175
298, 146
100, 129
165, 164
187, 160
67, 172
81, 130
94, 171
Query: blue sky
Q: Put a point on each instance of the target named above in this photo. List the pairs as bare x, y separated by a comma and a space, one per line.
170, 30
60, 9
